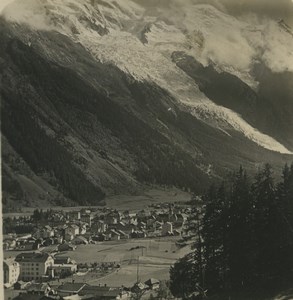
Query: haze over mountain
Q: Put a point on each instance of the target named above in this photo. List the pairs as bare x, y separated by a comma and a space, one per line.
104, 97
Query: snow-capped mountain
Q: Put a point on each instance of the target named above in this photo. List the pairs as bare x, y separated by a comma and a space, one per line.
134, 46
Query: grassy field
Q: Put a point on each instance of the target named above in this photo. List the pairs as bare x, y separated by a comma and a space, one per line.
122, 202
151, 196
155, 258
119, 251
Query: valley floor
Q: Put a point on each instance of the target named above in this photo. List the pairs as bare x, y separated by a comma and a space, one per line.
147, 258
121, 202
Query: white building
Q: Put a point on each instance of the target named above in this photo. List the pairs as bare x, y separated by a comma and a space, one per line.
72, 230
34, 266
11, 271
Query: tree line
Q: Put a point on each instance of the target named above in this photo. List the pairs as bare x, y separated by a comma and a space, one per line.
243, 239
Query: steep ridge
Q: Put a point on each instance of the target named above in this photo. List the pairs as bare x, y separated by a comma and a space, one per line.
260, 109
60, 124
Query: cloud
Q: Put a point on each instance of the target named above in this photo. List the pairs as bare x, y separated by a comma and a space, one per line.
272, 8
4, 3
276, 9
253, 34
30, 12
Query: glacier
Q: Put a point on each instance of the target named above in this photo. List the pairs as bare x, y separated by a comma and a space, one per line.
203, 32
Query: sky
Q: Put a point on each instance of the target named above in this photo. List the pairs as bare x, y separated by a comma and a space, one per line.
279, 9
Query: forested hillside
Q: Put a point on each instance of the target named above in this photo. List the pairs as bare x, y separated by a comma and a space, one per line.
243, 241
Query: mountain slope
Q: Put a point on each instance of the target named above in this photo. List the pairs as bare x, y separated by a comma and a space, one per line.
84, 116
270, 109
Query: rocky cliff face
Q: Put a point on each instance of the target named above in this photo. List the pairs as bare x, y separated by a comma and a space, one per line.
88, 109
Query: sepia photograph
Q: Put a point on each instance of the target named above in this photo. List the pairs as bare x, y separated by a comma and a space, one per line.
146, 149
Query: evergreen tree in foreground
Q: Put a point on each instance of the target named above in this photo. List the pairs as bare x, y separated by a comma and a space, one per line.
244, 240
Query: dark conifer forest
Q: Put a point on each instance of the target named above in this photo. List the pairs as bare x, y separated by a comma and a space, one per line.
243, 239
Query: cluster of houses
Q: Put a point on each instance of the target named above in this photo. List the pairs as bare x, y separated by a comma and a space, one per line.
84, 291
72, 291
30, 273
38, 260
66, 230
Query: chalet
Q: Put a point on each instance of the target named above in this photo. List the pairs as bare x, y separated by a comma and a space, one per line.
87, 219
9, 243
99, 227
72, 230
138, 234
82, 229
142, 214
176, 232
66, 247
49, 230
126, 214
130, 219
57, 218
68, 268
153, 283
115, 236
111, 220
157, 225
113, 217
68, 289
58, 239
86, 211
150, 221
126, 228
43, 232
50, 249
73, 215
180, 221
123, 235
173, 218
23, 237
26, 243
167, 229
69, 237
59, 260
101, 237
39, 289
141, 225
65, 265
79, 240
21, 285
48, 242
139, 287
104, 292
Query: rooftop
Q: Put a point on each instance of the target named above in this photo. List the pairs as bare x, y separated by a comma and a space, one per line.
32, 257
152, 281
38, 287
10, 261
71, 287
100, 291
